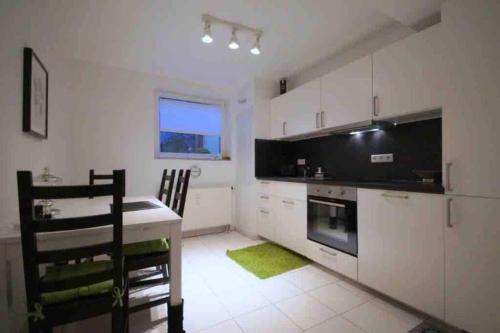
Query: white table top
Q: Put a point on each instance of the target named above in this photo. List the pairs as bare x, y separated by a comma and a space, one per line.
100, 205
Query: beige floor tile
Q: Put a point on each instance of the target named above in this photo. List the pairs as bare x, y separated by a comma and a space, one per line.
374, 318
336, 325
305, 311
266, 320
229, 326
336, 298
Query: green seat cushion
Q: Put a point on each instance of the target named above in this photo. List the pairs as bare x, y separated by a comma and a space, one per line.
71, 271
71, 294
146, 247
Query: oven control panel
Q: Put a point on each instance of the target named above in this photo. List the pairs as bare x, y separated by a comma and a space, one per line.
330, 191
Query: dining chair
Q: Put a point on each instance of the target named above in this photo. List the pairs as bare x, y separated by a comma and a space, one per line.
72, 292
166, 187
93, 177
155, 253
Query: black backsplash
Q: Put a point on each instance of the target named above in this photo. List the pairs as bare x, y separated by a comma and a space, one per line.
415, 145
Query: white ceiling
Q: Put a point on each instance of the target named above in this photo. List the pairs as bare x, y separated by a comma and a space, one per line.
163, 36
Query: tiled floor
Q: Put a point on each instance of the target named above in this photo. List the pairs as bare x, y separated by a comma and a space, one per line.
221, 297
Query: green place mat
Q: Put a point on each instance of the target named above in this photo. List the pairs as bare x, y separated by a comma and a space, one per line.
267, 259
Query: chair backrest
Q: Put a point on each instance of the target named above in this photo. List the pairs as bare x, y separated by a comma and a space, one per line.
166, 187
93, 177
181, 192
31, 226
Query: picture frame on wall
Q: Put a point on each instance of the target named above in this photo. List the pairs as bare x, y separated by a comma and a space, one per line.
35, 95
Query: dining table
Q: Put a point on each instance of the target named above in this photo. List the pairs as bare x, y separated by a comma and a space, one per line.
149, 221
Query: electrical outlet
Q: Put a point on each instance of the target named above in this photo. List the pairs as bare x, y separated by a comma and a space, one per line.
382, 158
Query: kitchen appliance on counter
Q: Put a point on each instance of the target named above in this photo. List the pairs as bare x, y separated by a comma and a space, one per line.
332, 217
319, 174
429, 176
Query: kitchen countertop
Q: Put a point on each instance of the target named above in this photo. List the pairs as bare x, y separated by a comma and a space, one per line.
397, 185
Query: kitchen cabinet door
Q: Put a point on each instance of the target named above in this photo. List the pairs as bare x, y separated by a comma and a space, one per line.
407, 75
265, 216
294, 112
278, 117
472, 263
346, 94
266, 223
401, 247
291, 221
333, 259
471, 112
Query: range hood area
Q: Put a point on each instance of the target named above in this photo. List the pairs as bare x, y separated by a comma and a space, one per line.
370, 125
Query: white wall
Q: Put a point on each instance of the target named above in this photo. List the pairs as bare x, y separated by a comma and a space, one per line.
100, 117
17, 149
114, 127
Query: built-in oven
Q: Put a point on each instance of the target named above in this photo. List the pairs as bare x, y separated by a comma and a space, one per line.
332, 217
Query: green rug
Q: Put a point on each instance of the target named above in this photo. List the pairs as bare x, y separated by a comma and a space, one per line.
267, 260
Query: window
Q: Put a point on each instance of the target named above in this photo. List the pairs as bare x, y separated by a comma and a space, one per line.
189, 128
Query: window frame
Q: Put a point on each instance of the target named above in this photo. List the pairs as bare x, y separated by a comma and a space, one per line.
193, 99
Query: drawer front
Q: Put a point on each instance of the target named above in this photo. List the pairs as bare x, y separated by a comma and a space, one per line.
264, 201
335, 260
264, 186
290, 190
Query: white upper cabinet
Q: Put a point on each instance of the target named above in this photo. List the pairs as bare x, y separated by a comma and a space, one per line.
471, 109
279, 115
407, 75
401, 247
346, 94
473, 264
294, 112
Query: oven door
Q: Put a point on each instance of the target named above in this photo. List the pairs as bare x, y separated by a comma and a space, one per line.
333, 223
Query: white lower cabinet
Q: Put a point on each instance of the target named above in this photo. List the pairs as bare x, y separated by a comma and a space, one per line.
282, 218
265, 217
291, 223
282, 214
335, 260
400, 247
473, 263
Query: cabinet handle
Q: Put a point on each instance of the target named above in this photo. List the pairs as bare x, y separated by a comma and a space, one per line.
449, 224
322, 119
264, 211
265, 197
448, 177
322, 249
374, 106
288, 202
317, 120
333, 204
396, 196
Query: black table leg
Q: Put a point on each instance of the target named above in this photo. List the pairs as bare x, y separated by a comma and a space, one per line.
176, 318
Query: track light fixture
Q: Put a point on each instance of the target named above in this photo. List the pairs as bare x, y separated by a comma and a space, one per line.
234, 44
207, 33
255, 50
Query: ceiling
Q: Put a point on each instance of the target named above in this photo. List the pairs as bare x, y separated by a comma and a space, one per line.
163, 36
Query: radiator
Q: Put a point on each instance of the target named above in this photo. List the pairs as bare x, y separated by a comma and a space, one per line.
208, 207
